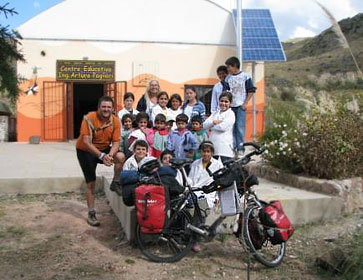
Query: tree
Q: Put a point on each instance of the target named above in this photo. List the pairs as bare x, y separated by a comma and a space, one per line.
9, 55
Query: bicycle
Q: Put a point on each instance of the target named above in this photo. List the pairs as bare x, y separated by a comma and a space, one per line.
183, 229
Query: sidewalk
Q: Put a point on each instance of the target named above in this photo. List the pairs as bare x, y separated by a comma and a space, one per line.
42, 168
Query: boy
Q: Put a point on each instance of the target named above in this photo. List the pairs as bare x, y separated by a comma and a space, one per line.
160, 135
199, 133
242, 89
129, 99
140, 152
219, 87
181, 141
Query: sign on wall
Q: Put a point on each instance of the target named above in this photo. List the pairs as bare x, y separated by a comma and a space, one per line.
85, 70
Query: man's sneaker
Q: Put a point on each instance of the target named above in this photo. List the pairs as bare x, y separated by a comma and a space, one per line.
92, 220
116, 187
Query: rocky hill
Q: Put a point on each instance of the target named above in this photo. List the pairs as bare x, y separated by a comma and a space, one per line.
323, 53
317, 70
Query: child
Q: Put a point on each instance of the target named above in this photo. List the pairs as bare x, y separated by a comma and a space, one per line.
160, 135
174, 105
221, 125
129, 99
165, 158
242, 89
161, 108
126, 129
181, 141
193, 107
142, 132
170, 123
199, 133
200, 175
140, 152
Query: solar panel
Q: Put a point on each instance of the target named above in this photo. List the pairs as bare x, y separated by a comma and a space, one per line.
260, 41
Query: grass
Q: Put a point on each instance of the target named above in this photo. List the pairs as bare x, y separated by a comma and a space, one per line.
16, 232
354, 269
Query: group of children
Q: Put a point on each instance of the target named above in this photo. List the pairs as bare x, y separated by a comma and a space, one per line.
142, 136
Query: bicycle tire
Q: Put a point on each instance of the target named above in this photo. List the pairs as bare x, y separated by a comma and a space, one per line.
170, 246
269, 255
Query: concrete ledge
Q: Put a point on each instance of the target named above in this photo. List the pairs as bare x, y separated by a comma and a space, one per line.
349, 190
46, 185
125, 214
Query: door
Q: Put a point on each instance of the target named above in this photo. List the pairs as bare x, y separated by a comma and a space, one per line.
116, 91
54, 111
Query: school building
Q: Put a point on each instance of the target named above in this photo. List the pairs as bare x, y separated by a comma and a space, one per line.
79, 50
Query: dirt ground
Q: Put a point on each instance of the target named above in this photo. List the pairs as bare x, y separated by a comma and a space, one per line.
47, 237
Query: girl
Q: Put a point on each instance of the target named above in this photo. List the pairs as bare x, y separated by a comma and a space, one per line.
142, 132
221, 125
193, 107
129, 99
126, 129
199, 175
160, 135
161, 107
174, 105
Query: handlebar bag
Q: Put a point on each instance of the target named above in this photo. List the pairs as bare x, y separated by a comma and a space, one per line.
152, 207
277, 224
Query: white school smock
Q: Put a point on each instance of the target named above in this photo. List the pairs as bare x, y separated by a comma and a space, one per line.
158, 110
131, 164
221, 134
200, 177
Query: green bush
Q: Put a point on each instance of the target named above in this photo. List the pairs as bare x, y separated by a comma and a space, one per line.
326, 145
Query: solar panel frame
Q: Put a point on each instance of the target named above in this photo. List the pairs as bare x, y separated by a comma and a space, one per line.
260, 41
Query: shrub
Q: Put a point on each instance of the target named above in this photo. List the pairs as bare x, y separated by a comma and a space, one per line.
326, 145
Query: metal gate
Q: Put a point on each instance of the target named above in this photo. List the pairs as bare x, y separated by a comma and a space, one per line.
116, 90
54, 111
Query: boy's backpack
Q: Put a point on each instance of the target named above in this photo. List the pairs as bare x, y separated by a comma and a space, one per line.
277, 224
152, 207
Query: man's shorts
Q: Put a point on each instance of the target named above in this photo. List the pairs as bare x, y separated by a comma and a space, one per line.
88, 163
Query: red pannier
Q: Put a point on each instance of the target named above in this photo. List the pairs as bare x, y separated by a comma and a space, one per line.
152, 207
278, 225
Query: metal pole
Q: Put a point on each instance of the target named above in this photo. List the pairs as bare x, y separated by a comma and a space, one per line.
239, 31
254, 101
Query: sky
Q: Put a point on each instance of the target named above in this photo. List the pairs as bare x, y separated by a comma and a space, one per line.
293, 18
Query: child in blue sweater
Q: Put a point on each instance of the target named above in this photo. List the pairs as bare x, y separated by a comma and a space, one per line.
181, 141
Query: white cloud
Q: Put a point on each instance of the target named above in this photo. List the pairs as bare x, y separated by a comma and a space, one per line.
36, 4
301, 32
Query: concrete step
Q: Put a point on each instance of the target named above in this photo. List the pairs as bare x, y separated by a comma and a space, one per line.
300, 206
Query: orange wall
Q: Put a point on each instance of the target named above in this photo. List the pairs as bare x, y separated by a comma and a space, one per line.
29, 108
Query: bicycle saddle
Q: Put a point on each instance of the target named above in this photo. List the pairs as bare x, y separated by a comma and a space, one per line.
179, 163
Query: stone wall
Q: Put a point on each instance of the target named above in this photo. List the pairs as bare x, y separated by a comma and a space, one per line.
350, 190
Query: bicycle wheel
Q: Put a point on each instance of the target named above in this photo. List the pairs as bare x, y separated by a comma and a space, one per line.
170, 246
255, 237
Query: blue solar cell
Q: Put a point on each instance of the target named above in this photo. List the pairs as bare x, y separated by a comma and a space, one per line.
257, 22
263, 55
261, 43
255, 13
260, 39
259, 32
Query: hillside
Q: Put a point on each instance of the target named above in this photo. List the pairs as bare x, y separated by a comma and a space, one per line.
317, 68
